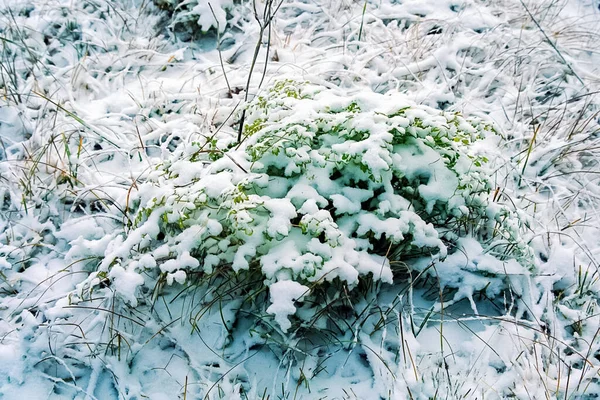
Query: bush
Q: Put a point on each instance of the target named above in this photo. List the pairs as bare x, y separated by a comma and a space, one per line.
322, 188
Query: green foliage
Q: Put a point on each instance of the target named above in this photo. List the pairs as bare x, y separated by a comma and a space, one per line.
314, 195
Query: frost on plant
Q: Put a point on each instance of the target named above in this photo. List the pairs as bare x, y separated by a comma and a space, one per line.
323, 188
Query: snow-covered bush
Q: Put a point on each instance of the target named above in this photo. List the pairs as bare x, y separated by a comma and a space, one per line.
322, 188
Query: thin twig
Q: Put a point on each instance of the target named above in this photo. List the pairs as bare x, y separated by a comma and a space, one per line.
552, 44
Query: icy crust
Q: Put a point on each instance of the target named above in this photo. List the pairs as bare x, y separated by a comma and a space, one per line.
321, 188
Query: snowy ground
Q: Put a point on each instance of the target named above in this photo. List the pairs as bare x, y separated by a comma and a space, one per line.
95, 96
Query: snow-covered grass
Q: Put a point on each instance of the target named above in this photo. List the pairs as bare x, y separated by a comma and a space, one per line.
340, 242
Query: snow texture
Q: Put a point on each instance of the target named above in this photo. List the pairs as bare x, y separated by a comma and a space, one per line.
145, 252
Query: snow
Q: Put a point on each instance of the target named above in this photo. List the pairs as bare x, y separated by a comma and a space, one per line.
126, 282
126, 201
282, 211
283, 295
